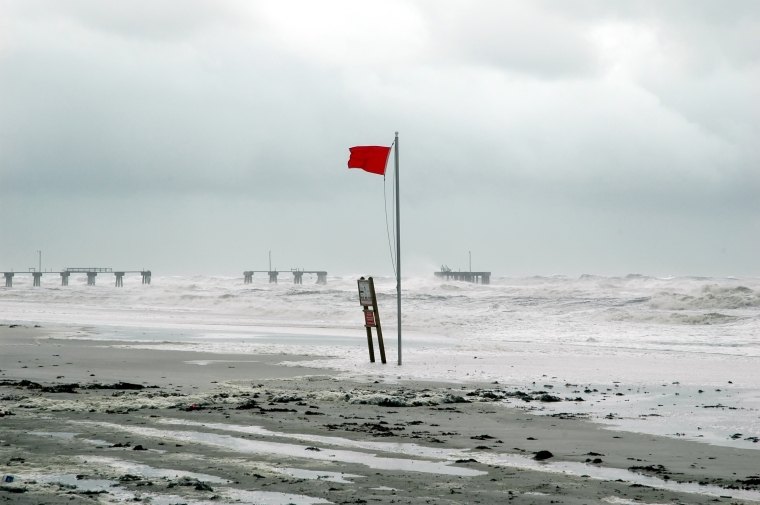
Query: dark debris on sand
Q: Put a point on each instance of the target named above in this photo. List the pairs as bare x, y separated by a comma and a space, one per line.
71, 387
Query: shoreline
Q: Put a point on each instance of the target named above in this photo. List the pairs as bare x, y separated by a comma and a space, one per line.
249, 425
707, 398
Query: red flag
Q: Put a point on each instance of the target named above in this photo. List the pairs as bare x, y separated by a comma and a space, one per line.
370, 158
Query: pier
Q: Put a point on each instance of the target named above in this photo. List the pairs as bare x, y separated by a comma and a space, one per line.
297, 275
475, 277
91, 272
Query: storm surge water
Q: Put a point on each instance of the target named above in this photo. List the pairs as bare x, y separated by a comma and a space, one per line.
673, 356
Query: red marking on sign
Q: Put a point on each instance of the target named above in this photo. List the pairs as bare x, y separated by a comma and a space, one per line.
369, 318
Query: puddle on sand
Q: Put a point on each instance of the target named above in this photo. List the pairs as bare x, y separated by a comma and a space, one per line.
71, 436
70, 480
96, 442
510, 460
206, 362
147, 471
624, 501
405, 448
118, 494
300, 473
270, 498
611, 474
231, 496
244, 446
63, 435
383, 488
442, 467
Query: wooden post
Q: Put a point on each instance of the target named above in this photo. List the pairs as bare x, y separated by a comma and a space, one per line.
367, 299
377, 321
369, 337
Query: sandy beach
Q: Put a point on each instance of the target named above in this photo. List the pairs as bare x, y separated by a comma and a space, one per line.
85, 421
541, 217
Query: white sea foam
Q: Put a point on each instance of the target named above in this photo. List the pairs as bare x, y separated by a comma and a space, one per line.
592, 331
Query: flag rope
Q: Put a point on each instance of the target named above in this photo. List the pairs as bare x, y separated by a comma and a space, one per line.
392, 245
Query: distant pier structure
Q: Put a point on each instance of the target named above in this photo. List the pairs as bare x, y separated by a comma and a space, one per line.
91, 272
476, 277
297, 275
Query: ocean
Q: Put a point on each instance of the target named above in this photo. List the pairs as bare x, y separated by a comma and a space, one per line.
670, 356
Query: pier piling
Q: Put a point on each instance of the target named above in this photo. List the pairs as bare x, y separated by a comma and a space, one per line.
475, 277
297, 275
65, 274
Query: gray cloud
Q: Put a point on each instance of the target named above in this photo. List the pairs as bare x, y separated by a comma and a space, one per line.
520, 38
627, 116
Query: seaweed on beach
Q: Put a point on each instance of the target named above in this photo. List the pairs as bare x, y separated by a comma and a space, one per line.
36, 386
198, 485
248, 404
654, 469
750, 482
547, 398
391, 400
275, 410
450, 398
286, 398
521, 395
71, 387
125, 386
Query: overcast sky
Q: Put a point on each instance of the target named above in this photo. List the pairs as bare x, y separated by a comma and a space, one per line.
561, 137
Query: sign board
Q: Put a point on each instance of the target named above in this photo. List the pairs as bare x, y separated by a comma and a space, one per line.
368, 301
365, 293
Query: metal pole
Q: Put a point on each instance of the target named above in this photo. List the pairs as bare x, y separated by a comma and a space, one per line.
270, 260
40, 255
398, 253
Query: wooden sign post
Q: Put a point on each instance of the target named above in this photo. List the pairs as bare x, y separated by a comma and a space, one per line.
368, 300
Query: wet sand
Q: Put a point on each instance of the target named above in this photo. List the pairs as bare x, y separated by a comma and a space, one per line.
87, 422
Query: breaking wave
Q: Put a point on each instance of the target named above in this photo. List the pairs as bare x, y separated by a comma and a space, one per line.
606, 311
710, 297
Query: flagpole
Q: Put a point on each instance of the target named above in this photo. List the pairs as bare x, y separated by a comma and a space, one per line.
398, 253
